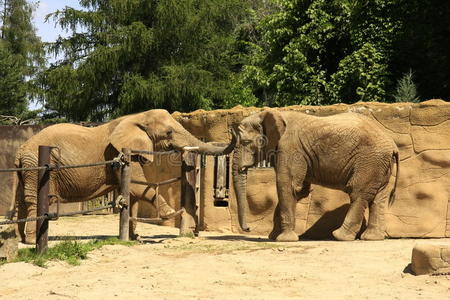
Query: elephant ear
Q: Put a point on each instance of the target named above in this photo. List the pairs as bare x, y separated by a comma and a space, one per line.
129, 134
274, 127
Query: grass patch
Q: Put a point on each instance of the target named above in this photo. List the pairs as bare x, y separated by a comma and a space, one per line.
71, 252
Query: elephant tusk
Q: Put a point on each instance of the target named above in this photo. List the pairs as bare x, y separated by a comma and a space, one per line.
188, 148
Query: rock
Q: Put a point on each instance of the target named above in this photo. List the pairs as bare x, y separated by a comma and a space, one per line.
431, 258
8, 242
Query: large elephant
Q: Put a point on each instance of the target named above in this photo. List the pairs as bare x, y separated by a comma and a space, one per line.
153, 130
347, 151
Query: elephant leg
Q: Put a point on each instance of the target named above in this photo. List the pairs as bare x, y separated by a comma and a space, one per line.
30, 227
28, 206
291, 172
302, 193
286, 209
21, 214
276, 224
353, 219
376, 227
134, 208
165, 210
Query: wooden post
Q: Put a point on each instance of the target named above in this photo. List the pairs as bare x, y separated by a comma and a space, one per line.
42, 201
125, 179
189, 219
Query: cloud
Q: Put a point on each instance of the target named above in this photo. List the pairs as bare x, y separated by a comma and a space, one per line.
42, 10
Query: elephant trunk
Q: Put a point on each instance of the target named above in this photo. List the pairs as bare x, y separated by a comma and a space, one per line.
194, 144
240, 188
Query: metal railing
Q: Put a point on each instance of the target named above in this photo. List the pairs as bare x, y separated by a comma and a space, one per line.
189, 219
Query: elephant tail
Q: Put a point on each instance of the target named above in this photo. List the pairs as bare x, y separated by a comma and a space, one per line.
397, 173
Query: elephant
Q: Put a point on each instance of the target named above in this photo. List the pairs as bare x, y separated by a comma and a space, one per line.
347, 152
153, 130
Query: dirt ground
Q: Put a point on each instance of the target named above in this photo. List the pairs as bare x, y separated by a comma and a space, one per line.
220, 266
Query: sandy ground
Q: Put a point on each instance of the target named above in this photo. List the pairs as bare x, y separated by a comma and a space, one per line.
220, 266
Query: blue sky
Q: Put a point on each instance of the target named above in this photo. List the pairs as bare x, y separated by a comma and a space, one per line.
47, 31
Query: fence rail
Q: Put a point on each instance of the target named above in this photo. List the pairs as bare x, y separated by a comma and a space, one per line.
59, 167
123, 161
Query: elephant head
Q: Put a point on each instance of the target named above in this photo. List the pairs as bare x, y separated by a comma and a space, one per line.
260, 131
157, 130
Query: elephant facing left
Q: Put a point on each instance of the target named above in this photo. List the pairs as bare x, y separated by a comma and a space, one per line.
153, 130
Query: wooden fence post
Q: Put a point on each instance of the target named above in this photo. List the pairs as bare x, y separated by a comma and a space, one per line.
189, 219
125, 179
42, 201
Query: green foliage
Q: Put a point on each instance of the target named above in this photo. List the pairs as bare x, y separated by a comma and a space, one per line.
21, 57
12, 88
69, 251
136, 55
406, 90
321, 52
360, 76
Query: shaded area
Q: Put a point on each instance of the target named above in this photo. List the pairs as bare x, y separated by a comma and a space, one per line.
237, 238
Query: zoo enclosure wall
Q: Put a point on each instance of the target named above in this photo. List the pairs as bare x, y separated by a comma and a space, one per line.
421, 131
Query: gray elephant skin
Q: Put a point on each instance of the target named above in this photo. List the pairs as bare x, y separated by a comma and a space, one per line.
153, 130
348, 152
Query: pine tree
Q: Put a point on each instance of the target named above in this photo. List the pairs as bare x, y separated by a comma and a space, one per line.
135, 55
21, 56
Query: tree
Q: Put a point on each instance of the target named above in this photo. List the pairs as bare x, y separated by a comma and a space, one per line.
322, 52
21, 57
125, 56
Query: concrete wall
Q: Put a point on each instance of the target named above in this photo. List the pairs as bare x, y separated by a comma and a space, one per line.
421, 208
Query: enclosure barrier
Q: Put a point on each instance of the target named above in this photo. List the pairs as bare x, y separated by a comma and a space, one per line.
189, 220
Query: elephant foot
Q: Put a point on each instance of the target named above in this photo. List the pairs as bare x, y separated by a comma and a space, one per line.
287, 236
342, 234
135, 237
273, 235
373, 235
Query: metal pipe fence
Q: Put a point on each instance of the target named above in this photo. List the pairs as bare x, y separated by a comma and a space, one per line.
122, 161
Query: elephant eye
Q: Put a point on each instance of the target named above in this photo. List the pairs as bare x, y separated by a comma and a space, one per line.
246, 142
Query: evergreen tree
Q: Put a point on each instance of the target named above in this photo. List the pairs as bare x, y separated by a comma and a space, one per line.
12, 89
21, 56
132, 55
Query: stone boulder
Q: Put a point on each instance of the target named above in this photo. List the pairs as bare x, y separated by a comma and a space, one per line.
8, 242
431, 258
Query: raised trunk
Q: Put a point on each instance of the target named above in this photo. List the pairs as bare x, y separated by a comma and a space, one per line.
240, 188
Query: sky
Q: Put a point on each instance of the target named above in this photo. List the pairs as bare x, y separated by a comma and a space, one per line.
47, 30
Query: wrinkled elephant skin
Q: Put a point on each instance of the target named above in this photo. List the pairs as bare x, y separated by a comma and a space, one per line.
154, 130
348, 152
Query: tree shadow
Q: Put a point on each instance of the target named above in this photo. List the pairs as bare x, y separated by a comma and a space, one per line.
237, 238
80, 237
